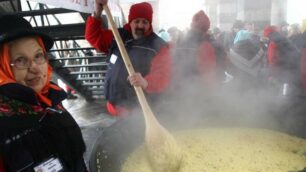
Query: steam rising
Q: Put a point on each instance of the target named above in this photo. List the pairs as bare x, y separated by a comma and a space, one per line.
195, 106
190, 102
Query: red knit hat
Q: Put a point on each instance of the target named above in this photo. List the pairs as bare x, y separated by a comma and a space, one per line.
200, 21
268, 30
141, 10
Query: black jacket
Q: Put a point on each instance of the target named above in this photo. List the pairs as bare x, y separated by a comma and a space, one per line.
32, 133
141, 52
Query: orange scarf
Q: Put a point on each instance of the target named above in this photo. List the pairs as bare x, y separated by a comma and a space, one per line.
7, 76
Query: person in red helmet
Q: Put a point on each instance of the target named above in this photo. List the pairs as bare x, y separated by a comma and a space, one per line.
149, 55
272, 55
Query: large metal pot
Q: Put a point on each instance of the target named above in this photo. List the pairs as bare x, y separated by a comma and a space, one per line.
117, 141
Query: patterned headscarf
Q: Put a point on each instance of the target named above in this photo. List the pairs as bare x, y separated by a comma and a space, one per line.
7, 75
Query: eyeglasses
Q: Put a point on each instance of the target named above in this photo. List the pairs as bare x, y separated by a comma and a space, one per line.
23, 62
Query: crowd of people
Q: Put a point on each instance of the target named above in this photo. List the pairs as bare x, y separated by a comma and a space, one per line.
251, 57
245, 58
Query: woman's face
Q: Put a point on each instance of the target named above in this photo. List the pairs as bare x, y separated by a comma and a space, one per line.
28, 51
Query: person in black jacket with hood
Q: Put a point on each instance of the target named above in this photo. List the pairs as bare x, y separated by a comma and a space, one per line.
36, 132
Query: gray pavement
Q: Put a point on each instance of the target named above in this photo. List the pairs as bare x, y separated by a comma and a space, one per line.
91, 117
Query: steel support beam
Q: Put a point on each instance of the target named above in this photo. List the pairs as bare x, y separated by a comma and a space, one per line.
67, 31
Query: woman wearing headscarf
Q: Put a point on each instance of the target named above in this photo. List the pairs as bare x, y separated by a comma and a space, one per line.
36, 132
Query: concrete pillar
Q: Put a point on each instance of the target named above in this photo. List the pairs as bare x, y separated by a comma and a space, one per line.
258, 13
240, 10
212, 12
227, 13
261, 12
278, 11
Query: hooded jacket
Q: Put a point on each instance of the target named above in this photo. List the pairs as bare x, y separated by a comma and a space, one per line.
283, 58
32, 133
195, 56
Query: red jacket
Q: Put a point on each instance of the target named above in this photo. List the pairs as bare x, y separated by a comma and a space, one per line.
196, 56
273, 57
99, 38
161, 66
159, 77
207, 63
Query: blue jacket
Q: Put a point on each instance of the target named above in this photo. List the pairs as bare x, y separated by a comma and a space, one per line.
141, 52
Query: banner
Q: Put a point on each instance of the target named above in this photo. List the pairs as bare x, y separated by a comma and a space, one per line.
86, 6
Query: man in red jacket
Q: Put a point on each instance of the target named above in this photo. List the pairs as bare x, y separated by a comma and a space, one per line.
195, 56
149, 55
283, 60
272, 51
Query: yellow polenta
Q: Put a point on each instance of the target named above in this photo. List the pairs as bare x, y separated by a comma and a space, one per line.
231, 150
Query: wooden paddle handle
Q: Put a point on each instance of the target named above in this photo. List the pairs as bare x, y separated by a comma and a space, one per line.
139, 92
119, 41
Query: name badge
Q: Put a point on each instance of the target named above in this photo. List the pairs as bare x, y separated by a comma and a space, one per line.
51, 165
113, 58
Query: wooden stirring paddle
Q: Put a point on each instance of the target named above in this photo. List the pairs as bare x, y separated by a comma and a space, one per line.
164, 154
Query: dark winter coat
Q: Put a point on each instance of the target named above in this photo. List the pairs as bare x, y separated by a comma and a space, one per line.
246, 64
31, 133
150, 56
141, 52
195, 57
284, 59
